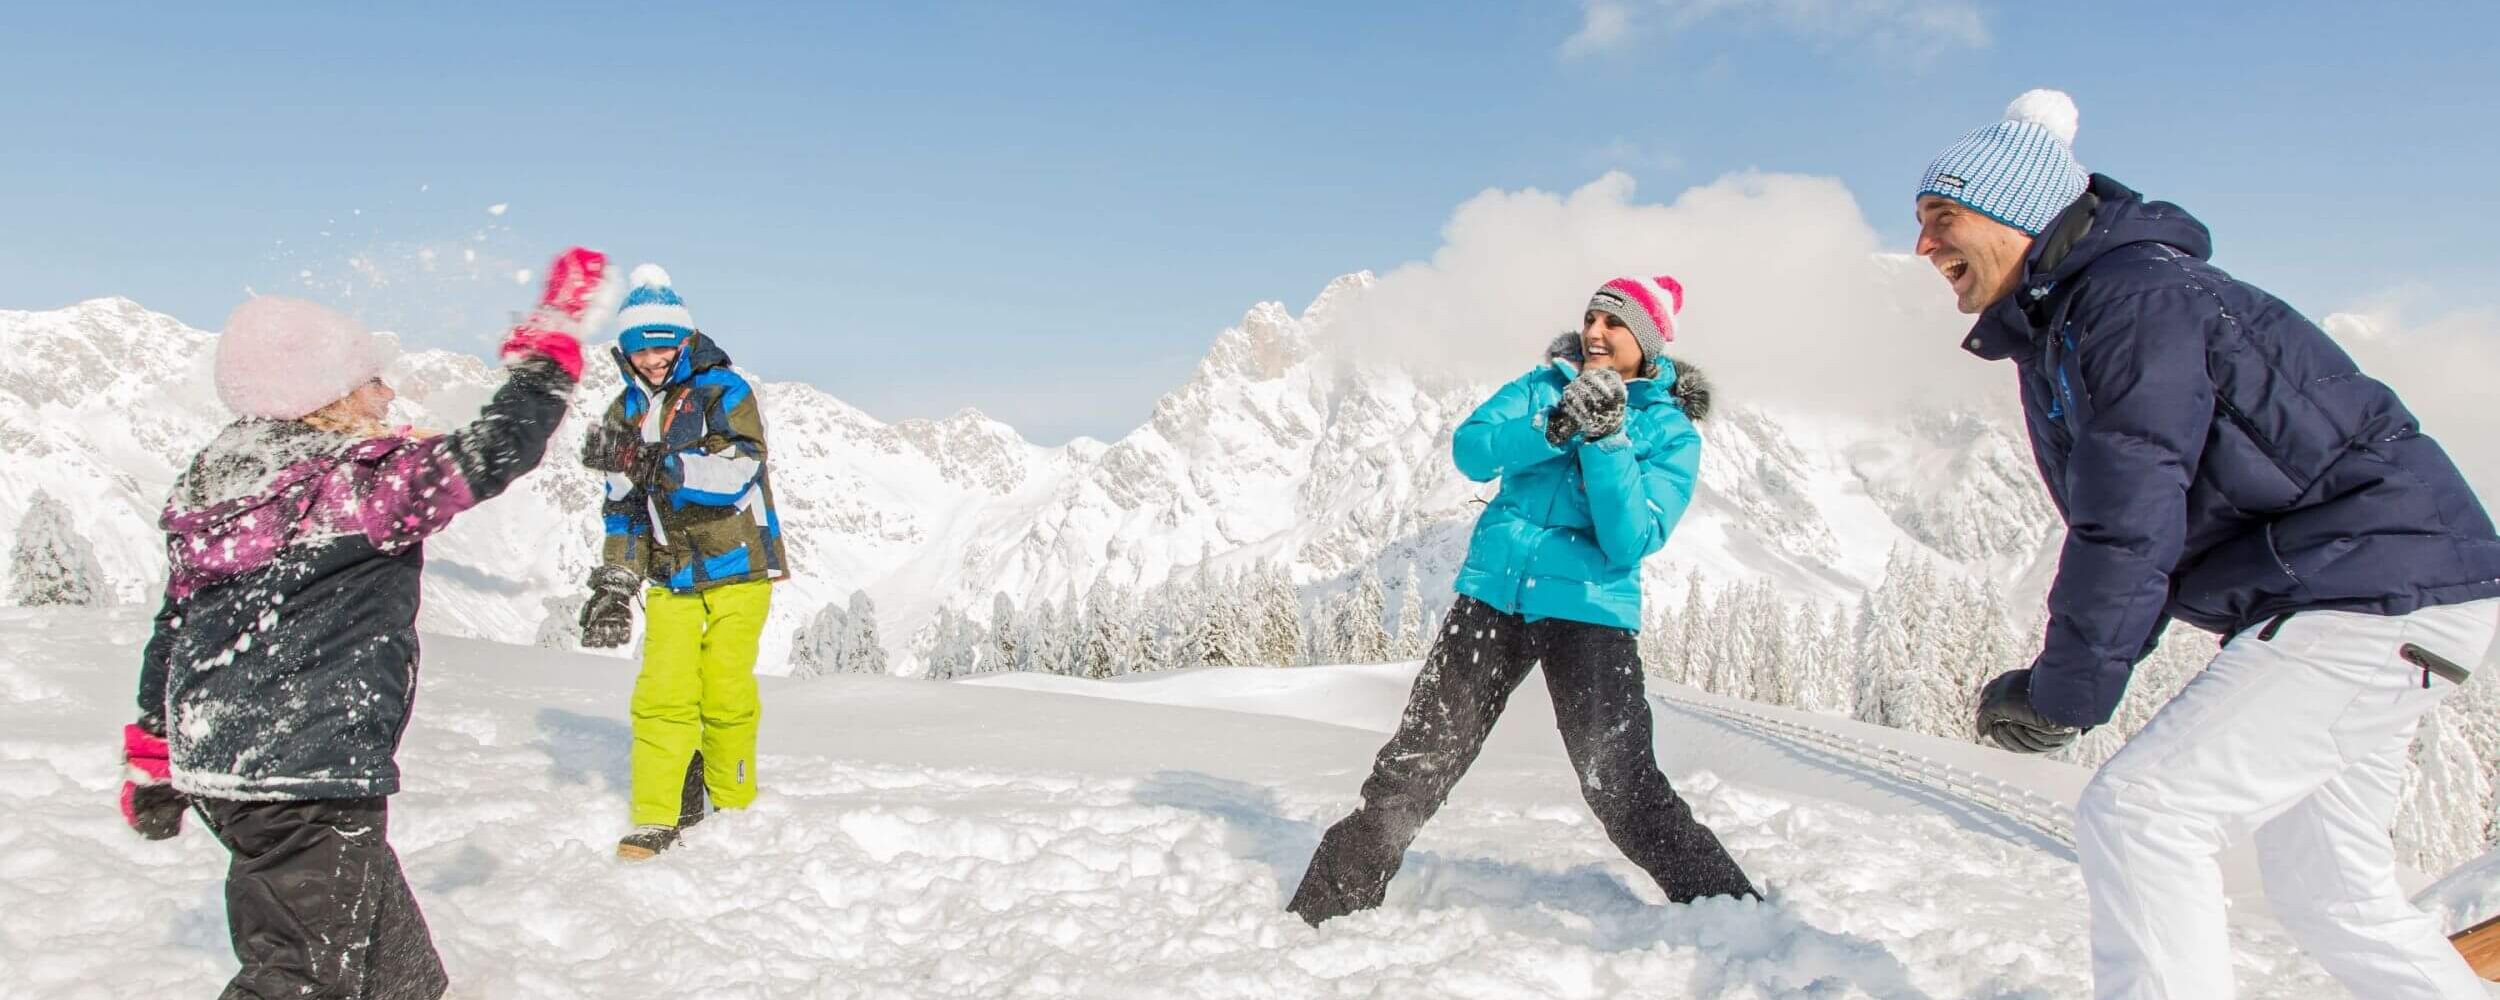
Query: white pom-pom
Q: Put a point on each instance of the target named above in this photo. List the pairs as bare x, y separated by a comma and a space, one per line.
650, 275
2050, 109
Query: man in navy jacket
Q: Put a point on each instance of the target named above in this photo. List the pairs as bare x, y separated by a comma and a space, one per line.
2218, 461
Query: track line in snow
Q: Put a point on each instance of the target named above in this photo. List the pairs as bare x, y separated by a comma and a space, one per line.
1975, 800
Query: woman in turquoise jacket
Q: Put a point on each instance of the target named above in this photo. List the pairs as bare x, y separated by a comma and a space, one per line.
1597, 456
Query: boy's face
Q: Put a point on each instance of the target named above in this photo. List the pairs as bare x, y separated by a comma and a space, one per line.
653, 363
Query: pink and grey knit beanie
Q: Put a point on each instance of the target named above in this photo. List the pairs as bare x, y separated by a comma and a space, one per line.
1649, 307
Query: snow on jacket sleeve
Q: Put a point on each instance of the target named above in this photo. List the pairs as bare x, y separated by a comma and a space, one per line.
1505, 432
1635, 501
410, 488
721, 467
2140, 421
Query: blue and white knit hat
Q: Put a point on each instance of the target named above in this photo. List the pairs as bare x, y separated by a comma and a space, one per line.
653, 315
2020, 171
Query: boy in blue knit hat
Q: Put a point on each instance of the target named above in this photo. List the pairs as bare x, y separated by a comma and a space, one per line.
2219, 461
692, 534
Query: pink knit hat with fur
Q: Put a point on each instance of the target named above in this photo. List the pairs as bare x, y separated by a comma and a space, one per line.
282, 358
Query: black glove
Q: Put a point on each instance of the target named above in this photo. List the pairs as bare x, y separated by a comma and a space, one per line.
1591, 406
608, 617
2007, 719
608, 448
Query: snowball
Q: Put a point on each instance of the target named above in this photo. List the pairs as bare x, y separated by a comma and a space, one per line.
2051, 109
650, 276
497, 208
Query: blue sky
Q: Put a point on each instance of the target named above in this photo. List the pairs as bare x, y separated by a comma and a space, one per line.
1046, 211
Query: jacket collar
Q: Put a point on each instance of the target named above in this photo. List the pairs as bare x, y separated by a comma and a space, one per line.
2107, 216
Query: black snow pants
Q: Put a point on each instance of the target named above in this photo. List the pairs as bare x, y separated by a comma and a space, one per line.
1480, 657
316, 903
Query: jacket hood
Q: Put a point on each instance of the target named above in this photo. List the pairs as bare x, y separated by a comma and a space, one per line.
1678, 379
697, 354
250, 463
2108, 216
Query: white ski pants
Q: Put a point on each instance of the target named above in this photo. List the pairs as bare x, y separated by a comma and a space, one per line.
2302, 738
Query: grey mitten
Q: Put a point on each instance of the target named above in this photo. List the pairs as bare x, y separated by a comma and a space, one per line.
1592, 405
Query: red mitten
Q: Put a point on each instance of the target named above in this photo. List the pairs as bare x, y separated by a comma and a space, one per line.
528, 340
149, 802
573, 280
553, 330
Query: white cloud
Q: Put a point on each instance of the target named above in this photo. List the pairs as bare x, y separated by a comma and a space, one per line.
1790, 295
1604, 24
1794, 301
1914, 28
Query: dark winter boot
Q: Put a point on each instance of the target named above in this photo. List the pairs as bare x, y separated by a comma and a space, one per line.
646, 842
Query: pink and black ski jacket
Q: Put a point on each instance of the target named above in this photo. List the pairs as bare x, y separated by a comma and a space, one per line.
284, 661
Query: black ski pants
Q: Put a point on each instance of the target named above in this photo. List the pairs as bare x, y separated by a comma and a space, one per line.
1481, 656
316, 903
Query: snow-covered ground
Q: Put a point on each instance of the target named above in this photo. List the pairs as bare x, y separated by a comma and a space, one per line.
1024, 836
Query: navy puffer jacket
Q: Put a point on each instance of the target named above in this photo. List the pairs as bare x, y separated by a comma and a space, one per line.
2217, 458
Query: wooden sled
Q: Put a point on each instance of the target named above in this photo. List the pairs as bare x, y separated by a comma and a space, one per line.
2480, 944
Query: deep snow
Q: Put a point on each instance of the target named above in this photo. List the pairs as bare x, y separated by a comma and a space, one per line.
1024, 836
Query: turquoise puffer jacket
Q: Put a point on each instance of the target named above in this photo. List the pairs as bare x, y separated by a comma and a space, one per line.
1565, 536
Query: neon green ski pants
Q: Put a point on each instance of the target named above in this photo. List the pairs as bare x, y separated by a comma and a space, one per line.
697, 692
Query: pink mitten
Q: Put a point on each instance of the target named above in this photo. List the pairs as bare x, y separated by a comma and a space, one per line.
553, 330
149, 802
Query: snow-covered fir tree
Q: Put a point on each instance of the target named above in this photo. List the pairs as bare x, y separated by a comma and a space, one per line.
1695, 643
52, 564
862, 652
1730, 645
1279, 617
1774, 657
1407, 643
1356, 632
1048, 648
951, 646
1109, 646
1006, 650
1223, 633
1165, 617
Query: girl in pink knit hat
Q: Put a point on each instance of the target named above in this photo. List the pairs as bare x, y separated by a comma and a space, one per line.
283, 665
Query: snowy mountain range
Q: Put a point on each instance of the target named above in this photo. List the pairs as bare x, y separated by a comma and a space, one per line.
1281, 447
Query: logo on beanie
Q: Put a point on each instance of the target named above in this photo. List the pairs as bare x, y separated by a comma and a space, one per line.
1611, 298
1948, 180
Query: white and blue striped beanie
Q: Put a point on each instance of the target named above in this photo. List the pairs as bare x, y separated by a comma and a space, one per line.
2020, 171
653, 315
